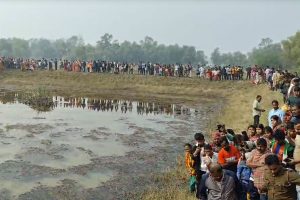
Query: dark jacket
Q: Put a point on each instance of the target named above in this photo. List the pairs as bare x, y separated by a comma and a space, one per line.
230, 187
197, 159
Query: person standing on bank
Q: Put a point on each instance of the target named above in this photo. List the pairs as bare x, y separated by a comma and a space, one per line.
55, 64
257, 110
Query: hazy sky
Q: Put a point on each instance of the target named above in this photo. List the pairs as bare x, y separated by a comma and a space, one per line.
229, 25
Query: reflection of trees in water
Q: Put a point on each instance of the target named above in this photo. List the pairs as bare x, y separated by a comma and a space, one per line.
8, 97
96, 104
38, 100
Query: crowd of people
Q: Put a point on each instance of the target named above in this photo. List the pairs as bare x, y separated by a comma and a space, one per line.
262, 162
214, 73
98, 66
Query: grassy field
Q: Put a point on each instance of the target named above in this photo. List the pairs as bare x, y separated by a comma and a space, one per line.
236, 98
109, 85
136, 87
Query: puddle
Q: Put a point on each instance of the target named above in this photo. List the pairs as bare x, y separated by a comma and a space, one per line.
77, 132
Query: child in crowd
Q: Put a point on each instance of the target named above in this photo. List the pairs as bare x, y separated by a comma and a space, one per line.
268, 136
252, 133
260, 130
190, 166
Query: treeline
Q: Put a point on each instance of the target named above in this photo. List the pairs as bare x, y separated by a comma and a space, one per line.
285, 54
267, 53
106, 49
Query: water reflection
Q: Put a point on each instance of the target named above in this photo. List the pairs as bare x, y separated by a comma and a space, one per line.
38, 100
123, 106
78, 135
44, 104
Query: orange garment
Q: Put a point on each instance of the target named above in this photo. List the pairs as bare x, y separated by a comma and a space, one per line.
77, 66
280, 150
90, 66
189, 164
224, 155
209, 74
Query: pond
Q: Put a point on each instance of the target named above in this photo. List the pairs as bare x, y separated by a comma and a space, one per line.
84, 143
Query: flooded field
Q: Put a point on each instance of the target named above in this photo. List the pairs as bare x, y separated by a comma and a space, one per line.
87, 148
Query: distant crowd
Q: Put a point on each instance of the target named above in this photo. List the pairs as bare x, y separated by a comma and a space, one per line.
214, 73
262, 162
98, 66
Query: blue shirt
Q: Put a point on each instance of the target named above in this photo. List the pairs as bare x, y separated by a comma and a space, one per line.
280, 113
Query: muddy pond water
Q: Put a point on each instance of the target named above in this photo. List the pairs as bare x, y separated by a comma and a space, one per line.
80, 145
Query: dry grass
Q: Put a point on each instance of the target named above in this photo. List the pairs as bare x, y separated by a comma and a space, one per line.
135, 87
171, 184
235, 96
237, 113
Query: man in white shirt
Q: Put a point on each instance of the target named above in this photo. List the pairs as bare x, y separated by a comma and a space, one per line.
267, 72
201, 70
228, 72
176, 70
256, 109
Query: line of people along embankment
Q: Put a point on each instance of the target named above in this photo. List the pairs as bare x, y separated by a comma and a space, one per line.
233, 72
262, 162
